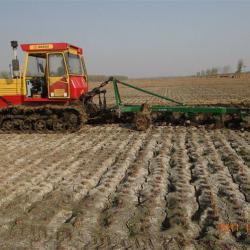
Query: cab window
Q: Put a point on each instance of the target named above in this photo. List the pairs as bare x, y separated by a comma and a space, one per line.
74, 64
56, 65
36, 65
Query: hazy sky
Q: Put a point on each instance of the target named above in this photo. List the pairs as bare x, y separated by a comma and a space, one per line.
134, 37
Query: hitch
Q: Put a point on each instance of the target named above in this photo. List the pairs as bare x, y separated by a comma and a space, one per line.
87, 99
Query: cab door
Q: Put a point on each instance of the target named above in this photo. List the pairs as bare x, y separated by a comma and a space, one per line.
58, 77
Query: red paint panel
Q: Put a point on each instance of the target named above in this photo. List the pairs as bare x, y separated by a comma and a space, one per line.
78, 86
55, 47
19, 100
43, 100
14, 100
59, 85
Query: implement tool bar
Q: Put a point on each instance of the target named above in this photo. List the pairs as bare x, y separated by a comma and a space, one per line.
149, 92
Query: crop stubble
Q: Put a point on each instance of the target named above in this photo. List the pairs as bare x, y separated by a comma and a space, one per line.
110, 187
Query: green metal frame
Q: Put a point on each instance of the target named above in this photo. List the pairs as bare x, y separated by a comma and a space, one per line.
141, 90
125, 108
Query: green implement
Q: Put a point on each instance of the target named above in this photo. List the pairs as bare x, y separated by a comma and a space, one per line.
144, 114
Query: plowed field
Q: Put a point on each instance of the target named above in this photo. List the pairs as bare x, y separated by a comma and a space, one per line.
111, 187
188, 90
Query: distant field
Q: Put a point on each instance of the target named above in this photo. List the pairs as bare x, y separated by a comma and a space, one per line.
188, 90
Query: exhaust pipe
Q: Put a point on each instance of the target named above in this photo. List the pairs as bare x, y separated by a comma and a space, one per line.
15, 61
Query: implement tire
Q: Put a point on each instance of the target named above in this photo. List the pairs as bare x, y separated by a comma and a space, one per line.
143, 119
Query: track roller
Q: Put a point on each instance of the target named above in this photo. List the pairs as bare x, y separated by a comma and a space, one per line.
58, 125
26, 125
40, 125
7, 125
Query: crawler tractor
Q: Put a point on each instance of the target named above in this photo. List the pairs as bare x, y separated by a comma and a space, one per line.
51, 93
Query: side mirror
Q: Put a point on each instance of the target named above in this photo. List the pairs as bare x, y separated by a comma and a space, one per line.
15, 65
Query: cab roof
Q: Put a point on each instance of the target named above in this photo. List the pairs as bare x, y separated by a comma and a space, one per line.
44, 47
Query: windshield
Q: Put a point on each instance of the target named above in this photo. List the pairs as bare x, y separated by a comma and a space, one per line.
74, 64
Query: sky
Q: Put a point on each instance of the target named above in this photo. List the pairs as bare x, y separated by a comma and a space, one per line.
136, 38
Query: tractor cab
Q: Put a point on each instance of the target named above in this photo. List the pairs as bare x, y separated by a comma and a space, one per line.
53, 71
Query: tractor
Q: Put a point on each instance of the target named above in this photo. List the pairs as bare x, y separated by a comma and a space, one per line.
46, 94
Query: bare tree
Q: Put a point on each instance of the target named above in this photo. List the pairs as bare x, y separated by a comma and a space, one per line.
240, 66
214, 71
208, 72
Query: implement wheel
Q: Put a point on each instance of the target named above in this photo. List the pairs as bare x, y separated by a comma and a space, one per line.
142, 122
143, 119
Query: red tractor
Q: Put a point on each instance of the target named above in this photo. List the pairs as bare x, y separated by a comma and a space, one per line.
47, 93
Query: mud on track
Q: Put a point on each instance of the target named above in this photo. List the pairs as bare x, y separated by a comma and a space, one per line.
108, 187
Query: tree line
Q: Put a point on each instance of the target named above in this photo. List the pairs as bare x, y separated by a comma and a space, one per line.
224, 70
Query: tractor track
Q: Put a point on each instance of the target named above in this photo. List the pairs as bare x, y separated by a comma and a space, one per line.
109, 187
42, 119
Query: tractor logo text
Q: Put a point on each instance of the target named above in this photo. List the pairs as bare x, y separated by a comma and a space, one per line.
41, 46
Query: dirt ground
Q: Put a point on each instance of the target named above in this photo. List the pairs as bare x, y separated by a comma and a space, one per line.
111, 187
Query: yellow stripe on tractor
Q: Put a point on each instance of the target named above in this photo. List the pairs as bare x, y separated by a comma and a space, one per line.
10, 87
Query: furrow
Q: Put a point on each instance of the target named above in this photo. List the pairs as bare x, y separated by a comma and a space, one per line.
62, 194
228, 193
34, 173
11, 174
7, 157
240, 146
90, 208
41, 182
239, 171
180, 198
207, 215
124, 201
145, 221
